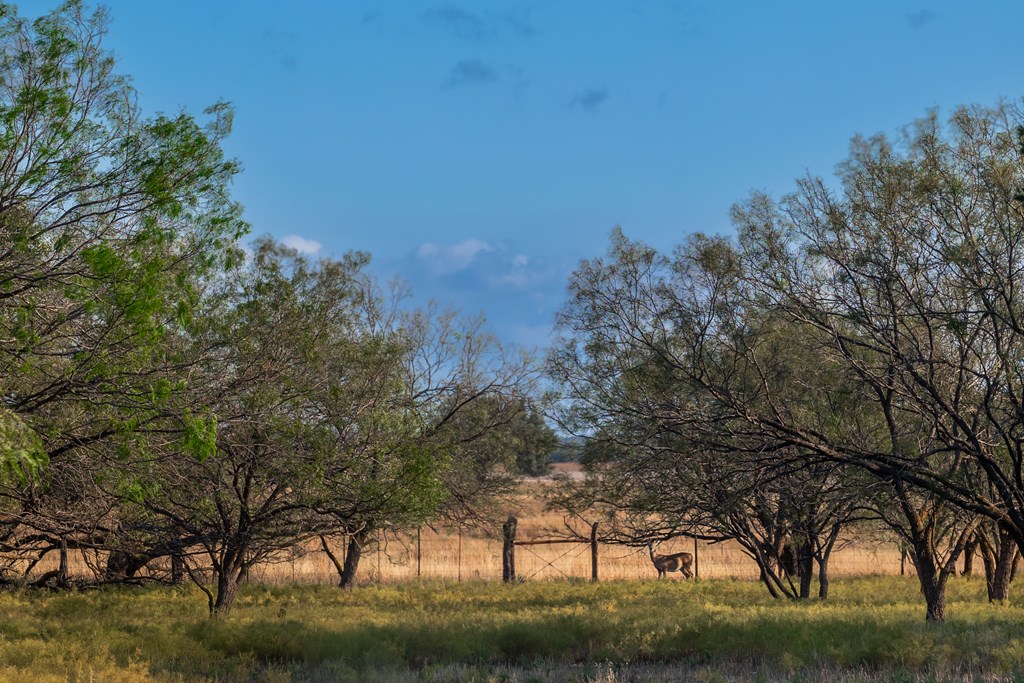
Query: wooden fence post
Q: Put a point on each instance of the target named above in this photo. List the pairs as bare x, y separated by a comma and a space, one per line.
696, 560
419, 559
459, 559
593, 552
62, 568
508, 551
177, 570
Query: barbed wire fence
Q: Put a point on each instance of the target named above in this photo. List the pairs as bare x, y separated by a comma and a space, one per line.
453, 554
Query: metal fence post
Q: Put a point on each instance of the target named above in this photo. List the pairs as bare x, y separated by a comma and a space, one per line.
696, 560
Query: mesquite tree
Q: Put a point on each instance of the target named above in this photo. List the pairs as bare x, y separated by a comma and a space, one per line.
667, 448
108, 221
910, 273
457, 410
284, 410
901, 285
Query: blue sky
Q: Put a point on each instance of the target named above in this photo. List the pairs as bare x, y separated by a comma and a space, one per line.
481, 149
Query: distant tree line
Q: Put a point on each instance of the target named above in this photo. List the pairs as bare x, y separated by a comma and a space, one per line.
171, 397
853, 355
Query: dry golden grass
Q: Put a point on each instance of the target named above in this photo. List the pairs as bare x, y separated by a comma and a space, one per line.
474, 555
451, 556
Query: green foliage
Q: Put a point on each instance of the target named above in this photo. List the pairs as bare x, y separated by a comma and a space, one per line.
199, 436
136, 490
111, 226
21, 450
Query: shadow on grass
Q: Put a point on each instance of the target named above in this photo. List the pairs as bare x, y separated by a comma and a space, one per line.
875, 625
763, 640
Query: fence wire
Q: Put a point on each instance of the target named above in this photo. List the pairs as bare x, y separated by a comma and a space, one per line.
451, 556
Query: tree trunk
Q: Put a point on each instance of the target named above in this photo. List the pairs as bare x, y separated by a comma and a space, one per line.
769, 584
988, 560
922, 521
823, 553
177, 570
805, 568
999, 586
227, 589
352, 557
933, 583
229, 570
969, 549
1000, 554
935, 597
823, 578
1002, 571
777, 588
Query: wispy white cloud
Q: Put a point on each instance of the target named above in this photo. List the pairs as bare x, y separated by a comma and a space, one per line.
474, 264
518, 272
301, 244
517, 290
446, 259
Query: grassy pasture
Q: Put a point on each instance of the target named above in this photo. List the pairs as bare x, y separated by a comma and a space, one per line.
712, 630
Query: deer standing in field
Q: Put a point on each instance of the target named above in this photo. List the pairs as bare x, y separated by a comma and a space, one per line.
677, 562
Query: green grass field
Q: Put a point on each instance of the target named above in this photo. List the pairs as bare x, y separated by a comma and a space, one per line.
714, 630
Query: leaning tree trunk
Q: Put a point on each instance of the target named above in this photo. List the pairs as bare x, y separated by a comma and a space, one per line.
823, 578
969, 550
777, 588
355, 551
823, 553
